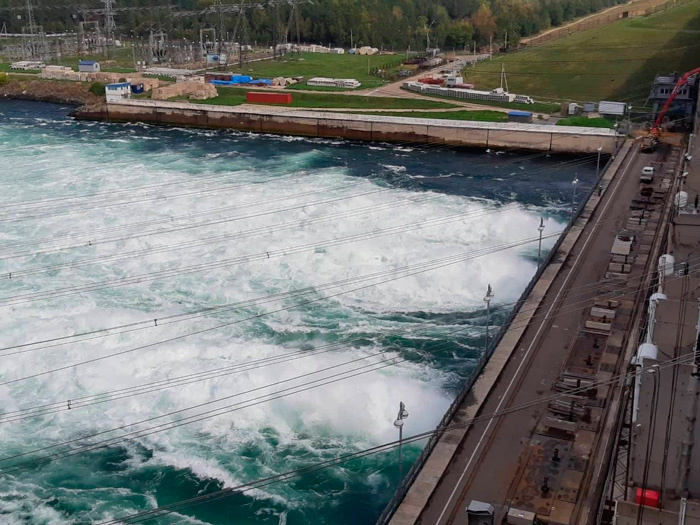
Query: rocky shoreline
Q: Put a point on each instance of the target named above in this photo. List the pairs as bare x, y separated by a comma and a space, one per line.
71, 93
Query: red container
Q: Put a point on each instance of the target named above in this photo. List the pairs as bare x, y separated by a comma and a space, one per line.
254, 97
208, 77
431, 81
650, 498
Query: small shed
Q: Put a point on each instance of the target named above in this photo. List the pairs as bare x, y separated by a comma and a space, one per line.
520, 116
574, 109
88, 66
118, 91
454, 80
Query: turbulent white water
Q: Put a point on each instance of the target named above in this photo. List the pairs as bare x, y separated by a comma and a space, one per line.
280, 216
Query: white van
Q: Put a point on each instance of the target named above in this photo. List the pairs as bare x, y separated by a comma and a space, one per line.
647, 174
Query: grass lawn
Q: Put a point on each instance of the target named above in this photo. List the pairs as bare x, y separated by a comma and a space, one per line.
478, 115
119, 70
614, 62
121, 55
586, 122
310, 65
234, 96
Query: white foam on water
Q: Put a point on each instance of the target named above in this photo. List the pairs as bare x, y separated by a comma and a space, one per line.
329, 420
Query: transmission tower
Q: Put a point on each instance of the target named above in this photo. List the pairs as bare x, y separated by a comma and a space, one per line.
90, 36
110, 26
221, 40
34, 40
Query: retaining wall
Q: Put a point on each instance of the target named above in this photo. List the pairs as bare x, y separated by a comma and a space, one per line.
537, 137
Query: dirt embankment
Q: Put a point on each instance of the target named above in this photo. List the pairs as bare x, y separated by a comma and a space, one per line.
75, 93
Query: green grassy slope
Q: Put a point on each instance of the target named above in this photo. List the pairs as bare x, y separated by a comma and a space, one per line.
309, 65
616, 62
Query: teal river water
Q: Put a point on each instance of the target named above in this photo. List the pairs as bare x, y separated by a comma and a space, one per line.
107, 225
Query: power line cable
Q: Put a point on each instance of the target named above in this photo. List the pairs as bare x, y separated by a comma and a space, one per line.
219, 238
213, 496
80, 402
414, 270
292, 250
195, 314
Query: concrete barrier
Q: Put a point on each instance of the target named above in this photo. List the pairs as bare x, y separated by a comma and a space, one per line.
283, 125
285, 121
526, 139
179, 117
344, 130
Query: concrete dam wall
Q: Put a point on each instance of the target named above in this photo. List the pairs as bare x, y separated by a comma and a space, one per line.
283, 121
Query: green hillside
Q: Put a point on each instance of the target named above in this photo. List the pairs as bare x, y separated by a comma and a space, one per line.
616, 62
311, 65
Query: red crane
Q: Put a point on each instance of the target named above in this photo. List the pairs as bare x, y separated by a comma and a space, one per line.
656, 128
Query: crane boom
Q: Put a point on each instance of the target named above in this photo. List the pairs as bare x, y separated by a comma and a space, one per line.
656, 128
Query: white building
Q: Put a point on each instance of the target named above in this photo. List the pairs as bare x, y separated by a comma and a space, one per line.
349, 83
117, 92
88, 66
25, 65
453, 80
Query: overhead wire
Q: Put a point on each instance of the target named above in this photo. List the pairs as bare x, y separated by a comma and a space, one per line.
157, 386
242, 259
215, 495
578, 161
407, 272
72, 209
143, 433
196, 314
199, 241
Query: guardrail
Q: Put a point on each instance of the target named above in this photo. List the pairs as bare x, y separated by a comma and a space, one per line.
418, 464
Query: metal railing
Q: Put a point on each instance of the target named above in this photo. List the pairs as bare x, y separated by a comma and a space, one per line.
419, 463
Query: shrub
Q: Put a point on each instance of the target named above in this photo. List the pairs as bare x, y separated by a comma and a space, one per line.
97, 88
4, 79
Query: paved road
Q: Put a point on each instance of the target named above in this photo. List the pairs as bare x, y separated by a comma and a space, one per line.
485, 464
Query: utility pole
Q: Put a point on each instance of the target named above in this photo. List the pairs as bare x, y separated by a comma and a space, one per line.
490, 47
540, 229
403, 414
597, 168
574, 183
133, 53
487, 299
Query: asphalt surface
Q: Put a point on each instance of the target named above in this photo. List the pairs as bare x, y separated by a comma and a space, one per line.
484, 466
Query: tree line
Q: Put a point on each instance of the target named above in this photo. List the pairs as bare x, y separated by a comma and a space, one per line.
388, 24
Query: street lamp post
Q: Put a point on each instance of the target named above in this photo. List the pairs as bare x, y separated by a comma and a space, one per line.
403, 414
540, 229
574, 183
597, 168
487, 300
